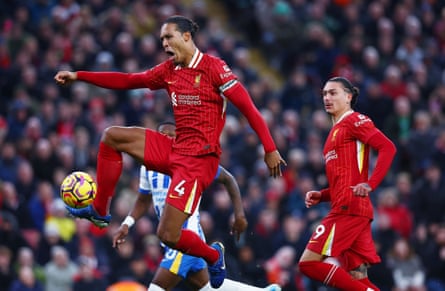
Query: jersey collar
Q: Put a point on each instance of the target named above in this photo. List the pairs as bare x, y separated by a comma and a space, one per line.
196, 59
344, 115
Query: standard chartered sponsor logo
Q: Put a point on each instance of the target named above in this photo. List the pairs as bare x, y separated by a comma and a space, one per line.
330, 156
174, 102
185, 99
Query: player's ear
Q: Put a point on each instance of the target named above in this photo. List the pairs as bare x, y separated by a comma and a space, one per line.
187, 36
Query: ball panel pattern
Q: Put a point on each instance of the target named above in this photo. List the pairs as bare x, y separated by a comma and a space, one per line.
78, 189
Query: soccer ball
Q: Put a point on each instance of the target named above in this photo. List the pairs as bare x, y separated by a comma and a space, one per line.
78, 189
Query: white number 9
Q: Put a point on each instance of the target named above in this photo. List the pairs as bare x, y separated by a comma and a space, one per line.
319, 231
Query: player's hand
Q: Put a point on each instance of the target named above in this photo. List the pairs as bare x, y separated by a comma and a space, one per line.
120, 235
65, 77
274, 161
239, 225
362, 189
312, 198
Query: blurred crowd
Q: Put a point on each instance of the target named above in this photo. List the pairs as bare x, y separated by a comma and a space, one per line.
394, 51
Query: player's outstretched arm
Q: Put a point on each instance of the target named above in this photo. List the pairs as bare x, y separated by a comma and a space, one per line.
239, 96
240, 223
65, 77
139, 209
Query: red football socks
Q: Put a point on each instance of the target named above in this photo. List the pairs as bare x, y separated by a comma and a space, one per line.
109, 169
331, 275
191, 244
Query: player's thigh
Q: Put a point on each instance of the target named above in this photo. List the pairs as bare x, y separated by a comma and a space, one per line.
198, 279
165, 279
170, 224
130, 140
310, 256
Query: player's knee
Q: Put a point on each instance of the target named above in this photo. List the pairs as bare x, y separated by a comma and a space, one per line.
110, 134
360, 272
168, 237
306, 266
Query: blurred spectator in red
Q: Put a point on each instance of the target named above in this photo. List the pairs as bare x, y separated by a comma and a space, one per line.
393, 84
281, 269
88, 278
392, 215
266, 228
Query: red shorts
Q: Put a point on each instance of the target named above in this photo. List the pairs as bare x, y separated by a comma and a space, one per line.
346, 237
190, 175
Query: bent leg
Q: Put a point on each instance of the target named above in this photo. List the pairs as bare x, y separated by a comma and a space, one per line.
115, 140
170, 232
361, 274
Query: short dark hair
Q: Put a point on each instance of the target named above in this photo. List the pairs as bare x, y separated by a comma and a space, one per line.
348, 87
184, 24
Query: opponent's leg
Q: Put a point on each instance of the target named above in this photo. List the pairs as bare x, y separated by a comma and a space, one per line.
164, 280
171, 233
230, 285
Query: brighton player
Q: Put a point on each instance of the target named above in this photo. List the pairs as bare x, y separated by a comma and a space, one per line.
345, 233
199, 86
175, 266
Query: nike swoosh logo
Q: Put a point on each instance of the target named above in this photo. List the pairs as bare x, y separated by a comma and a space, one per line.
173, 196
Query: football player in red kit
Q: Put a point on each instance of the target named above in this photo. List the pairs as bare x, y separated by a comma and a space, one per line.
199, 86
345, 233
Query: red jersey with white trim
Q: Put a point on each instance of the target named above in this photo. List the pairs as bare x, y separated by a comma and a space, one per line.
346, 155
198, 104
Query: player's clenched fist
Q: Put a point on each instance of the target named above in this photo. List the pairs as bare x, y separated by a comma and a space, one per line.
65, 77
312, 198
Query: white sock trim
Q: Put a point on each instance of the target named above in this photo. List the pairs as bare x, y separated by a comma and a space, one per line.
154, 287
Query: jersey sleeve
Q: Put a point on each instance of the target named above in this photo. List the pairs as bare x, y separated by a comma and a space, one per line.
153, 78
364, 130
362, 127
222, 75
144, 181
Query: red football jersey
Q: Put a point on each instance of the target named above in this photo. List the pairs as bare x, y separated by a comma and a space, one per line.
197, 100
346, 155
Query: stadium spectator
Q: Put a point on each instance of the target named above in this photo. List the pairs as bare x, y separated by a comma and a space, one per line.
406, 267
26, 281
60, 270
